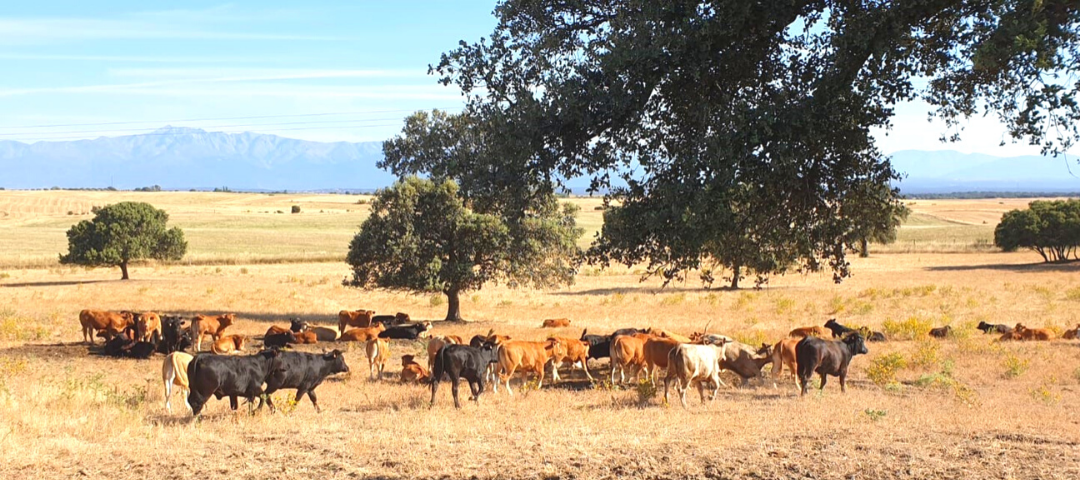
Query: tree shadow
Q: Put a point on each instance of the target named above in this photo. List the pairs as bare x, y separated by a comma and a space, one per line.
1073, 266
653, 290
56, 283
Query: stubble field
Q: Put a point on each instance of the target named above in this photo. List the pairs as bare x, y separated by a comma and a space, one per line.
963, 407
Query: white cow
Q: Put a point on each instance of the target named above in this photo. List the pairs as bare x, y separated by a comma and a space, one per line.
690, 363
174, 372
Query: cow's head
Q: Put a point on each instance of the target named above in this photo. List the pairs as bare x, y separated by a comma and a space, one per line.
239, 340
226, 319
856, 343
490, 351
1019, 328
830, 323
401, 317
407, 359
337, 361
298, 325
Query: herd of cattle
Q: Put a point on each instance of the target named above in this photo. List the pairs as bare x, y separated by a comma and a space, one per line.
696, 360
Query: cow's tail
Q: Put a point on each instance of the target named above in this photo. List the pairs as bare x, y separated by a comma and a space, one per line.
439, 368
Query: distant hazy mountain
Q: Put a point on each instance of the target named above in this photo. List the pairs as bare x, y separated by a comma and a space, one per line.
183, 158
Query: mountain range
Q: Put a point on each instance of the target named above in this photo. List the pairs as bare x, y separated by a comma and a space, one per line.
179, 158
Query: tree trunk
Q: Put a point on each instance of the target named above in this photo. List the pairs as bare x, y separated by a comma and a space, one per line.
736, 271
453, 307
123, 269
865, 250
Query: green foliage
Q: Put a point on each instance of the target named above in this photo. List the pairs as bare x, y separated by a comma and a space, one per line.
875, 415
121, 233
882, 370
1051, 228
296, 209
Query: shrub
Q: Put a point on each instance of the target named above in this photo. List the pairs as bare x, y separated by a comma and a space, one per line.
1073, 294
436, 300
296, 209
926, 354
909, 329
883, 368
1015, 366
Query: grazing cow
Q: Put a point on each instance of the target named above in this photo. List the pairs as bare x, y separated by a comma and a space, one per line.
671, 335
439, 341
108, 323
1071, 334
175, 338
940, 332
876, 337
458, 361
522, 357
628, 355
229, 376
599, 345
229, 345
814, 331
209, 325
354, 318
837, 329
556, 323
378, 352
655, 350
397, 319
693, 364
746, 361
993, 328
304, 372
324, 334
575, 352
174, 372
1033, 333
362, 334
412, 371
407, 332
148, 327
826, 357
783, 355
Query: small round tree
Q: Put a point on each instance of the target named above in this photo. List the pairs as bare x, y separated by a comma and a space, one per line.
121, 233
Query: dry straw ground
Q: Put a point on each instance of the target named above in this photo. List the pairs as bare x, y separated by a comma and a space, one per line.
963, 407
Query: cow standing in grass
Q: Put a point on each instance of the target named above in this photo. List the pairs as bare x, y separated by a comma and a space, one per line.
826, 357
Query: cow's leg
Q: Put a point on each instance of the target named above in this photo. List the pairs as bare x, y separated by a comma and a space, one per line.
716, 386
454, 381
475, 387
585, 367
311, 396
434, 388
233, 402
554, 372
667, 384
682, 392
185, 392
506, 376
843, 381
195, 402
168, 392
540, 378
823, 378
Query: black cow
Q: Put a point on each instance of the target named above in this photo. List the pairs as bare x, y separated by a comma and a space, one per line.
229, 376
994, 328
940, 332
826, 357
278, 340
628, 331
124, 345
837, 329
304, 372
876, 337
599, 345
407, 332
174, 337
459, 361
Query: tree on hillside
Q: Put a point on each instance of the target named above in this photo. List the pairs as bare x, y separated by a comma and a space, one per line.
421, 237
876, 217
742, 130
1051, 228
121, 233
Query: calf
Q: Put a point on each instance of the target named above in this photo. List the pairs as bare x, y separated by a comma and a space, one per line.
305, 338
576, 353
826, 357
378, 351
229, 376
555, 323
940, 332
837, 329
354, 318
412, 371
478, 341
745, 361
523, 357
437, 342
993, 328
229, 345
693, 364
175, 338
304, 372
457, 361
174, 372
109, 323
407, 332
209, 325
628, 355
362, 334
1033, 333
783, 355
148, 327
815, 331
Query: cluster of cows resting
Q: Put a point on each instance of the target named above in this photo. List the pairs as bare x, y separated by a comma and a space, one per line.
696, 360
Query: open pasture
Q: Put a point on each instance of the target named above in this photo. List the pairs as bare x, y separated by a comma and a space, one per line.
966, 406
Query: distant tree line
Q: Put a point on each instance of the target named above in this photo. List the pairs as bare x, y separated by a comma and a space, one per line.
1051, 228
980, 195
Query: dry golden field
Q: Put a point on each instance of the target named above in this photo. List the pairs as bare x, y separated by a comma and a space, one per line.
963, 407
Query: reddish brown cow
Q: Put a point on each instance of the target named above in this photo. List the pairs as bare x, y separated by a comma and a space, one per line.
783, 355
362, 334
229, 345
148, 327
209, 325
305, 337
656, 350
412, 371
575, 352
1033, 333
378, 352
437, 342
556, 323
1072, 334
673, 336
106, 323
628, 355
524, 357
815, 331
356, 318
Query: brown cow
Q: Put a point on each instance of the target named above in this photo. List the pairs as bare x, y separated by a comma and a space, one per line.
524, 357
209, 325
355, 318
104, 323
412, 371
556, 323
656, 352
362, 334
305, 337
378, 352
437, 342
628, 355
673, 336
174, 372
1013, 335
1072, 334
783, 355
575, 351
229, 345
324, 334
148, 327
940, 332
815, 331
746, 361
1033, 333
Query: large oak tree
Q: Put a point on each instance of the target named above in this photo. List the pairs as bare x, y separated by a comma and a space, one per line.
121, 233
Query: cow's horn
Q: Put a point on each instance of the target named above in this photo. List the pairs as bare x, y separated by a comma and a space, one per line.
706, 330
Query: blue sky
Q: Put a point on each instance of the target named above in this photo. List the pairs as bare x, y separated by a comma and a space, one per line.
354, 68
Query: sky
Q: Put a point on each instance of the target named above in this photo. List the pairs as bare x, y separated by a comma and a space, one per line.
317, 70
